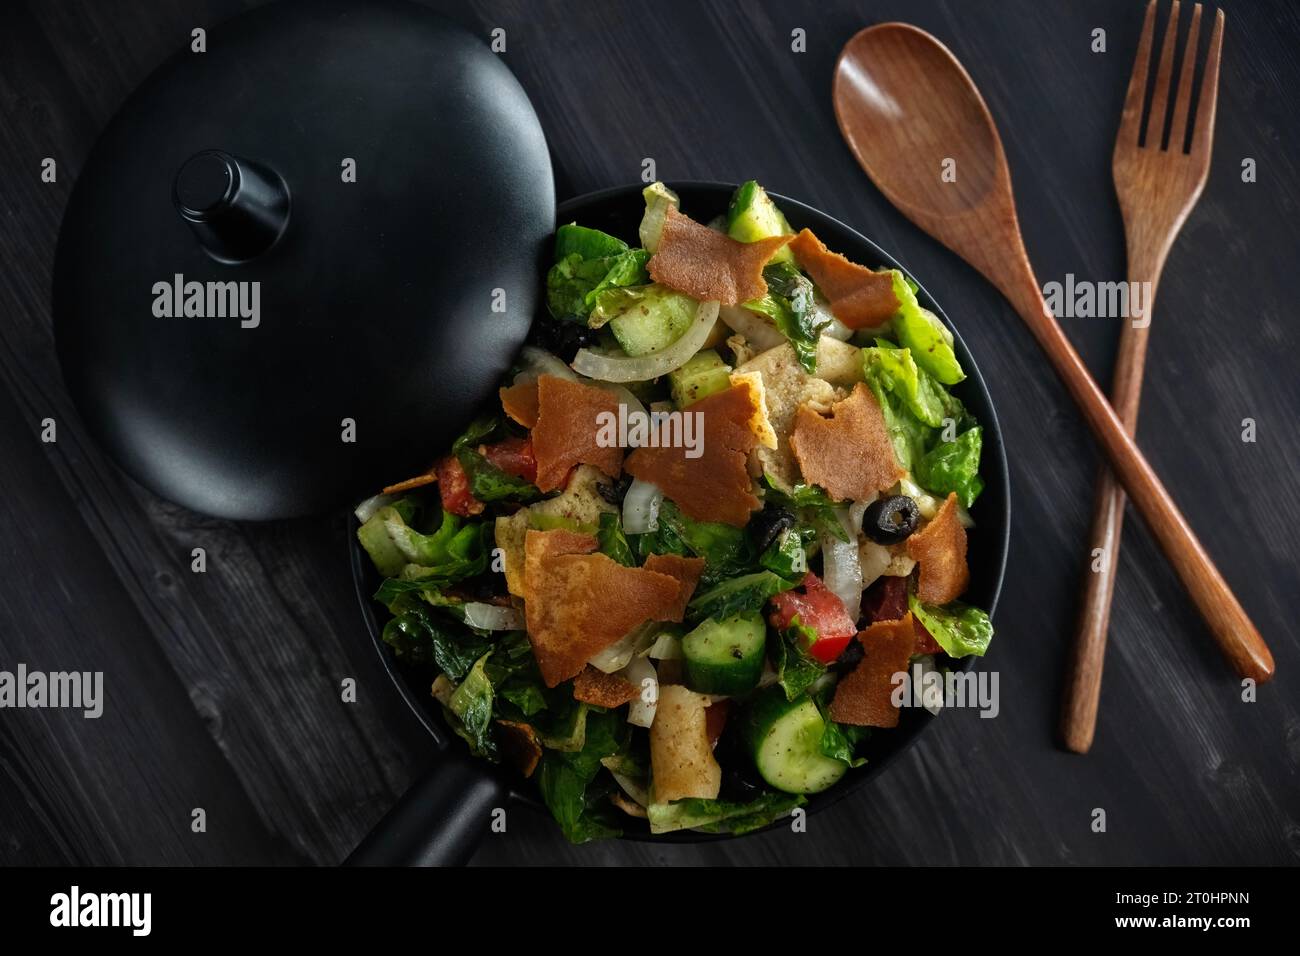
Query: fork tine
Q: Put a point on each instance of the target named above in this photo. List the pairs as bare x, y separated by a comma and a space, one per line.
1160, 98
1203, 131
1131, 119
1183, 96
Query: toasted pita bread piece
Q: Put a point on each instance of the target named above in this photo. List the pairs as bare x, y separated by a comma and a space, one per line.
576, 603
419, 481
707, 265
520, 402
521, 745
859, 297
786, 386
687, 571
716, 486
681, 757
508, 532
593, 686
568, 420
940, 551
849, 454
862, 697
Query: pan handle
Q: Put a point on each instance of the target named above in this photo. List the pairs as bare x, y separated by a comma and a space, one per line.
441, 818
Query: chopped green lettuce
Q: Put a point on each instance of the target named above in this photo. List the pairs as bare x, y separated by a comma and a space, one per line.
811, 504
587, 262
953, 466
568, 782
920, 330
612, 540
786, 556
722, 816
471, 702
725, 549
959, 629
839, 741
789, 304
745, 594
796, 669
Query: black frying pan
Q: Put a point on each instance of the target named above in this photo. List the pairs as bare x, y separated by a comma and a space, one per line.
442, 816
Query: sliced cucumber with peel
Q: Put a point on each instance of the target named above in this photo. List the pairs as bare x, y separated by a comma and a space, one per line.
725, 657
785, 739
753, 216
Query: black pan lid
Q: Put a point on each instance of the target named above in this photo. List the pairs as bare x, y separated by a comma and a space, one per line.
253, 331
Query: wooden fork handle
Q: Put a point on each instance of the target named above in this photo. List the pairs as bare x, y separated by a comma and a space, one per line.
1087, 657
1227, 620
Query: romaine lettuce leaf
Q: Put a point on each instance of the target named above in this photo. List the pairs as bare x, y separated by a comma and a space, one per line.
953, 466
568, 783
745, 594
789, 304
722, 816
921, 331
796, 669
588, 261
726, 550
811, 504
471, 702
785, 556
839, 741
959, 629
612, 540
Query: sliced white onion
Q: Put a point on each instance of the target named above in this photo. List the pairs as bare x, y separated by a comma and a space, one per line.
624, 368
759, 331
667, 647
537, 362
643, 676
841, 570
366, 510
927, 504
874, 560
492, 617
641, 507
635, 789
616, 657
834, 328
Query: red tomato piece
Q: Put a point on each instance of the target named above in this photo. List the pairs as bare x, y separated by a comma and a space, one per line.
514, 456
820, 610
453, 487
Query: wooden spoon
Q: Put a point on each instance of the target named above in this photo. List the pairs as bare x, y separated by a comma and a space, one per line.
915, 121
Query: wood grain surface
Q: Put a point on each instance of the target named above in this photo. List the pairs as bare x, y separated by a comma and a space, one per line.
223, 688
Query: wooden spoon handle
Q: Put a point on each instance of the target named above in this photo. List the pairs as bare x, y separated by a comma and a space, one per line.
1083, 678
1227, 620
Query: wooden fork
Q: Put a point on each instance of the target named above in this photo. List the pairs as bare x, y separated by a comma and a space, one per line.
1157, 185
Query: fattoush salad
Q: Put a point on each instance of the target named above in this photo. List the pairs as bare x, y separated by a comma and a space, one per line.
672, 574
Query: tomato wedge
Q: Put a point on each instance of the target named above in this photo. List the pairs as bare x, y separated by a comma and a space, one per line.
514, 456
820, 610
453, 488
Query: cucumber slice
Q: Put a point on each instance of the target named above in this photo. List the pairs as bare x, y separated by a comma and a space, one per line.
752, 216
644, 318
725, 657
703, 374
785, 740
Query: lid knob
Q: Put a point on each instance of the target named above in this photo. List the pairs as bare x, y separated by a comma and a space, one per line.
236, 207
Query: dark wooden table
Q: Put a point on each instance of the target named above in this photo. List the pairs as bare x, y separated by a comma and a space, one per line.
223, 688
